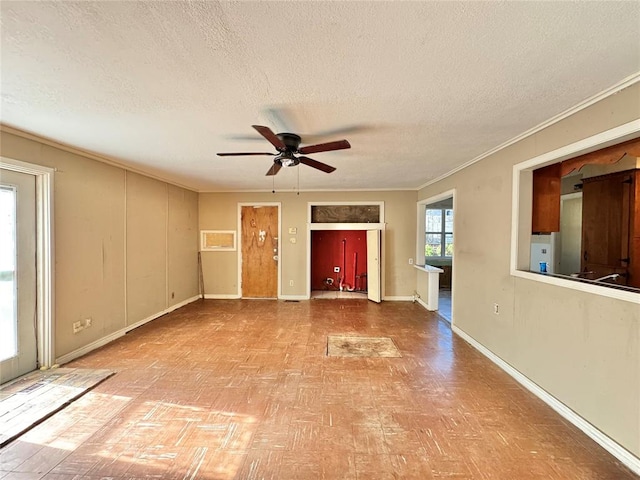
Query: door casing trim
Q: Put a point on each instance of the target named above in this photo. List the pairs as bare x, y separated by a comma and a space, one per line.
44, 256
347, 226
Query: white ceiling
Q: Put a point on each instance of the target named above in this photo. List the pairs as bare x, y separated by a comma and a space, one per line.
418, 88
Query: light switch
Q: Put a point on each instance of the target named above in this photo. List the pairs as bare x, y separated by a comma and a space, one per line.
293, 231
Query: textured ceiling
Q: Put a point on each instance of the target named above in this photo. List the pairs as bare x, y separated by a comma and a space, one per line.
418, 88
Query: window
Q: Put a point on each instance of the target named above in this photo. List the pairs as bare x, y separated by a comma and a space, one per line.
438, 233
218, 240
597, 174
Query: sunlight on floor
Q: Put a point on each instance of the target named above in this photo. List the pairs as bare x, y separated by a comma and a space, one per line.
145, 439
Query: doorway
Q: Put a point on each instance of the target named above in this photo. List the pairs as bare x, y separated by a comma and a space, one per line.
345, 264
44, 314
259, 250
339, 264
436, 245
356, 223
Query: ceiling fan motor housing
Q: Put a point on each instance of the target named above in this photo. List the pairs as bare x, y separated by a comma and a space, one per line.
291, 141
286, 157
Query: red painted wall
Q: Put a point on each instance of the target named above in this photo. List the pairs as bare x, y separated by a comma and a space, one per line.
326, 253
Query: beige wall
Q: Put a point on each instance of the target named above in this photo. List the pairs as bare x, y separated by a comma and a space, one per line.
219, 211
581, 348
116, 260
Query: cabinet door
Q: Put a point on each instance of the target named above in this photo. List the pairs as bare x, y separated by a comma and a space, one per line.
546, 199
606, 207
634, 234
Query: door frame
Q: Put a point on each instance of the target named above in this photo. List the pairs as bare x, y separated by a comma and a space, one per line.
44, 256
420, 235
239, 237
347, 226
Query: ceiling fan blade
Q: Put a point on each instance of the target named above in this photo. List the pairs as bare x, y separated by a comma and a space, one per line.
325, 147
240, 154
275, 168
270, 136
316, 164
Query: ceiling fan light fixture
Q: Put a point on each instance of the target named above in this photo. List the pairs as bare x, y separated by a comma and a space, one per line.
287, 159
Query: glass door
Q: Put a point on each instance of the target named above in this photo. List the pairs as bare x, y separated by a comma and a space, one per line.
18, 342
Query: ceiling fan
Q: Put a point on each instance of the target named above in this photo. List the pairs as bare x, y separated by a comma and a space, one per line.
288, 145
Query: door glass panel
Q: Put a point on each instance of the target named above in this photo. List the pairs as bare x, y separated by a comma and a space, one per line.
8, 310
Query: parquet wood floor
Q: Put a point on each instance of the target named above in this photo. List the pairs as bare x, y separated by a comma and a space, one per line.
244, 390
26, 401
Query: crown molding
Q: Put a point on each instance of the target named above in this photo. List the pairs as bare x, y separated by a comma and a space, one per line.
86, 153
625, 83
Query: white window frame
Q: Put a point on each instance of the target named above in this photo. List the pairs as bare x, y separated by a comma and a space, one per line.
521, 204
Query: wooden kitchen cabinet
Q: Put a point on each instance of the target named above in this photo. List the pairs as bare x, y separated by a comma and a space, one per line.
611, 226
546, 199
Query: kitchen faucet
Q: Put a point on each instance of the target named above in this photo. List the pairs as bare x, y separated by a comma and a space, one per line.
613, 276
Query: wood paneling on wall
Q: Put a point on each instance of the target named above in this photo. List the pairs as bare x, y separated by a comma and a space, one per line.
111, 234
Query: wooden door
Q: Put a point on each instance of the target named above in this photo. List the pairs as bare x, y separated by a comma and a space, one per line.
259, 239
606, 202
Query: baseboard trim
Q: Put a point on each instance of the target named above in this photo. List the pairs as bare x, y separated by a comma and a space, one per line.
398, 298
614, 448
119, 333
424, 304
91, 346
221, 296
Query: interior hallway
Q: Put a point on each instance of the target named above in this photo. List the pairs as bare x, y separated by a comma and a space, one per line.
244, 390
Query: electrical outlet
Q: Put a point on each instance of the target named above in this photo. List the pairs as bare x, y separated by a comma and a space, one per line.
496, 308
336, 269
77, 326
88, 322
291, 283
411, 261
